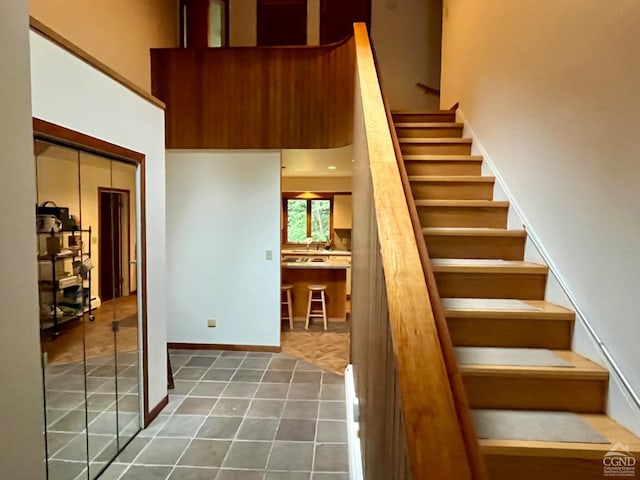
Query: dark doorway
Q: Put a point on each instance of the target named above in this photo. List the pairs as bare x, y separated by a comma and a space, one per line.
336, 20
112, 242
282, 22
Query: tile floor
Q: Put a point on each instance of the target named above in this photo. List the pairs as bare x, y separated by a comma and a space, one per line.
242, 416
69, 410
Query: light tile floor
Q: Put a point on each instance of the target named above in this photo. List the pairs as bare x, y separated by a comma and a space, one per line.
242, 416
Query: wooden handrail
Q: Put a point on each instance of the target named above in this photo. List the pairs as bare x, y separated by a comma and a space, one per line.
476, 460
433, 440
427, 89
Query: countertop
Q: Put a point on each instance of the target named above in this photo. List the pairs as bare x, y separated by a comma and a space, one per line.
301, 251
337, 264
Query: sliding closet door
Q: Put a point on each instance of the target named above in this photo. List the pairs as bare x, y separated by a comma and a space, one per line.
126, 312
87, 229
61, 320
102, 392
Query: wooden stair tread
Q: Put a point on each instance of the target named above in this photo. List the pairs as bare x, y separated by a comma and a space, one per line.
421, 112
472, 232
442, 158
470, 265
452, 178
462, 203
604, 425
428, 125
541, 309
435, 140
579, 368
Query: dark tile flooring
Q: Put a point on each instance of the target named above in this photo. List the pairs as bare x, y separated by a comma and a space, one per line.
242, 416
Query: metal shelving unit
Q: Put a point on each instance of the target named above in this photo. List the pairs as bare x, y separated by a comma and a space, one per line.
79, 299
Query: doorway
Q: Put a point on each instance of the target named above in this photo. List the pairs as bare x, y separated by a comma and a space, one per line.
336, 20
282, 22
114, 243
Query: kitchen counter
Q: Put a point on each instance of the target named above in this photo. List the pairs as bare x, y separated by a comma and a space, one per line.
329, 265
332, 272
301, 251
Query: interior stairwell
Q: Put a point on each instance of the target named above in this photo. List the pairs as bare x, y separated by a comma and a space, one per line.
538, 407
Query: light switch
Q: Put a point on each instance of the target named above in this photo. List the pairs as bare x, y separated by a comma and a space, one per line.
269, 254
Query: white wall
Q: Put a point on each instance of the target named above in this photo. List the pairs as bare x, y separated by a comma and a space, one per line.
406, 37
70, 93
21, 412
551, 90
223, 214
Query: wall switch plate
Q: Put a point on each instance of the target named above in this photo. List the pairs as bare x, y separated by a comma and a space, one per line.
211, 322
269, 254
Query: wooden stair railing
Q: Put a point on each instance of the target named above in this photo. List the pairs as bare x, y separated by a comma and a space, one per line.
476, 459
414, 422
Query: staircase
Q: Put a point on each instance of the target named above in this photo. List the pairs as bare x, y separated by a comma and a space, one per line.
539, 408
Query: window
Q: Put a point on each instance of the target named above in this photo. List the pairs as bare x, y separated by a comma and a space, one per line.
307, 218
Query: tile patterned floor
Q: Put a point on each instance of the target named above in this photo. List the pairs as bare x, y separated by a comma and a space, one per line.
66, 436
242, 416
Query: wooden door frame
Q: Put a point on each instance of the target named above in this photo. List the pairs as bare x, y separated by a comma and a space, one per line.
127, 194
50, 132
183, 28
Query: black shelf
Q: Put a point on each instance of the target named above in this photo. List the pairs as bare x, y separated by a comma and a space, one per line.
52, 286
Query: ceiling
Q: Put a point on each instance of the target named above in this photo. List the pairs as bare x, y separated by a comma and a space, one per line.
316, 163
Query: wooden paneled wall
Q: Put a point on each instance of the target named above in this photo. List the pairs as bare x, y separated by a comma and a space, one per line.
256, 97
408, 419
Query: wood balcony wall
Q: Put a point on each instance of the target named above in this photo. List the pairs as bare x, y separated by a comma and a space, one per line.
256, 97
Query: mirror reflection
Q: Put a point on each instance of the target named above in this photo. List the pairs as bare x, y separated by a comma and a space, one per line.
88, 277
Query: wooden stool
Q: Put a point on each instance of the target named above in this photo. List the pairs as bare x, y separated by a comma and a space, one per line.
286, 288
322, 313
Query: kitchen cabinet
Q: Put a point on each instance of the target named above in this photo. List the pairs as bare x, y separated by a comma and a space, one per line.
342, 211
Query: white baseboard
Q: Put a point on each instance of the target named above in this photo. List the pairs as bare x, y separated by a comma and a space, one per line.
623, 403
353, 426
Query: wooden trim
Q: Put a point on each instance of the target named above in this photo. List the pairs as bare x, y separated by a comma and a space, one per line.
156, 411
53, 36
223, 346
43, 130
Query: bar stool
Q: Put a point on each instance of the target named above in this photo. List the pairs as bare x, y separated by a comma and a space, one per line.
322, 313
286, 288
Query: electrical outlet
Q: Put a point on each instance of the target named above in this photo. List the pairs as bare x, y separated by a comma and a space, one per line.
269, 254
211, 322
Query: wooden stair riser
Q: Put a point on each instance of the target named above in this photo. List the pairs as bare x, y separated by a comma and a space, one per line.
429, 132
441, 148
459, 216
427, 117
529, 392
453, 246
435, 167
523, 286
509, 332
537, 467
452, 190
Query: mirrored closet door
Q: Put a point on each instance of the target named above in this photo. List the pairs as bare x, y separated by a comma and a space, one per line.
87, 229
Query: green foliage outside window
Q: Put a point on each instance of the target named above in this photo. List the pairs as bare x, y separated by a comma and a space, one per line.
298, 215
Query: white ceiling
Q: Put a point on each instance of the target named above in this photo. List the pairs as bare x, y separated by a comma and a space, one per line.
316, 163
